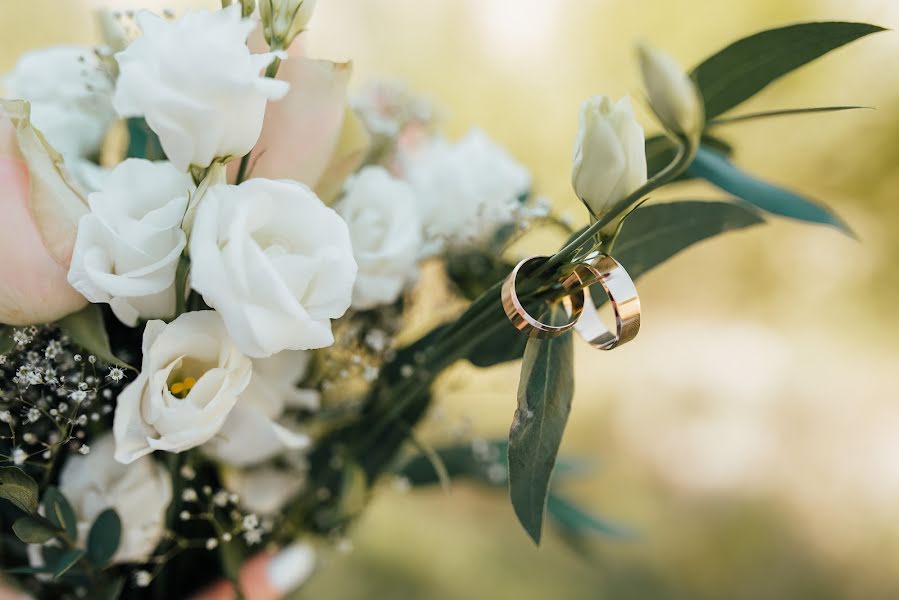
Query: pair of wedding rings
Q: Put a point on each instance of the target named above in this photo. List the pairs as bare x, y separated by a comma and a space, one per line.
583, 315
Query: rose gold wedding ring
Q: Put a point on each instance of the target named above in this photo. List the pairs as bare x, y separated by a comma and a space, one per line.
522, 320
622, 293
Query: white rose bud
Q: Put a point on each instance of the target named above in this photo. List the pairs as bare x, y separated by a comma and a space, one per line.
191, 376
127, 248
385, 229
256, 430
672, 94
140, 493
284, 20
275, 262
197, 85
609, 154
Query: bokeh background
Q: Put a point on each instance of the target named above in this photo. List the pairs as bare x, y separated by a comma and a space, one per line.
751, 435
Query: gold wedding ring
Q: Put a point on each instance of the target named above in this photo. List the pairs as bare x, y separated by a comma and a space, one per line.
618, 286
522, 320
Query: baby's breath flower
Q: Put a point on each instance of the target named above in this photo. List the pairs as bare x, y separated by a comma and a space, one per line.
21, 337
115, 374
19, 456
142, 578
250, 521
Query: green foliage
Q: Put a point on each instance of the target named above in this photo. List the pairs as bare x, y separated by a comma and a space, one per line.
747, 66
35, 529
544, 401
59, 512
573, 519
661, 151
19, 488
459, 462
657, 232
87, 330
721, 172
142, 141
784, 112
66, 561
104, 537
6, 341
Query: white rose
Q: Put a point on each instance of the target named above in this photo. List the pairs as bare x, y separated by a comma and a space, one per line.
255, 430
197, 85
128, 246
190, 379
609, 154
465, 190
275, 262
264, 490
385, 229
70, 92
672, 93
140, 493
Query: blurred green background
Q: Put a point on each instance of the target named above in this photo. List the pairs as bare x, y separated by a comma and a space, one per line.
751, 434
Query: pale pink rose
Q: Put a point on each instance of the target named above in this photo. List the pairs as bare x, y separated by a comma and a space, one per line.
302, 130
33, 286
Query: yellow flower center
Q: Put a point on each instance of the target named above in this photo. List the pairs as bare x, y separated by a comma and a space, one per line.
181, 388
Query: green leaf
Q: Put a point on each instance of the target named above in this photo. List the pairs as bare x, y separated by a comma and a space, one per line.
7, 343
35, 529
661, 150
568, 515
657, 232
747, 66
87, 330
716, 169
544, 401
19, 488
142, 141
784, 112
68, 560
59, 512
104, 537
28, 571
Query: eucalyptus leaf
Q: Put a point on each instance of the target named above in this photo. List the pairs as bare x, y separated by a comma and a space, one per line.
35, 529
719, 171
747, 66
545, 392
59, 512
19, 488
87, 330
68, 560
104, 537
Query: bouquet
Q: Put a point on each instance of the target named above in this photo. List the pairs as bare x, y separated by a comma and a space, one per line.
228, 287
